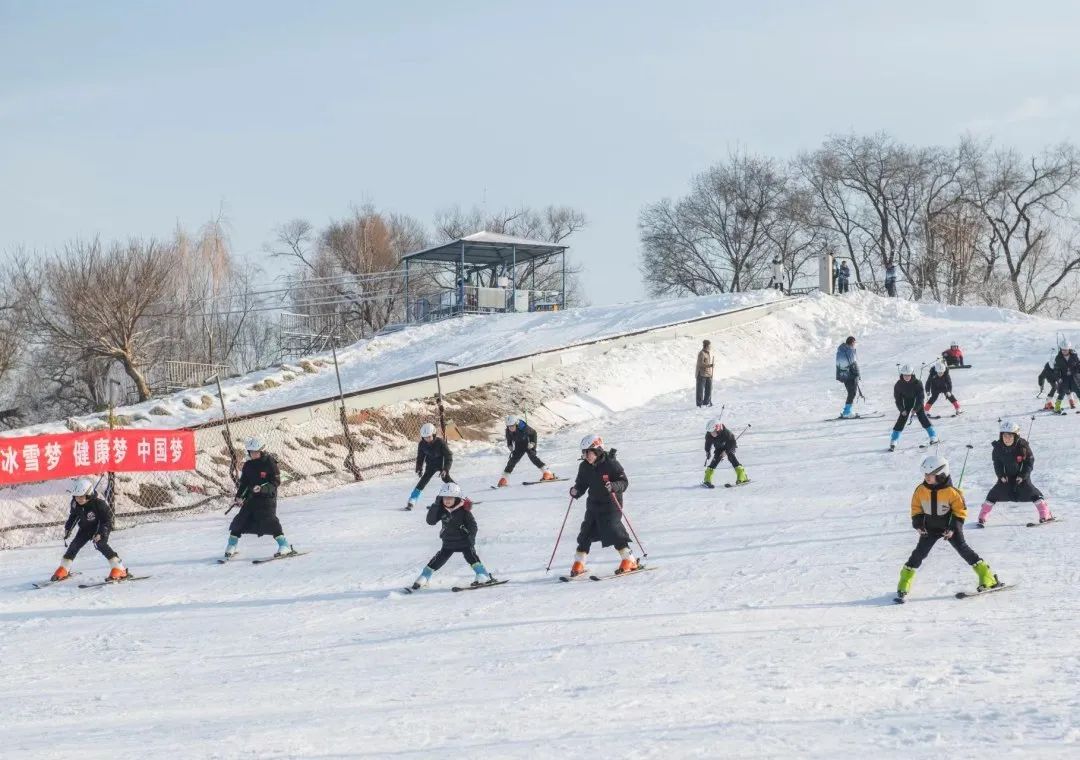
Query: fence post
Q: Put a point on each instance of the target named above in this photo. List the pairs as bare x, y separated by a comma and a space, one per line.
439, 396
350, 458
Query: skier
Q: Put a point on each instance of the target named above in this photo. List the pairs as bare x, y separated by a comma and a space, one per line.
704, 374
604, 478
890, 280
845, 277
938, 511
1013, 463
94, 517
432, 456
908, 395
719, 441
458, 534
1048, 375
1067, 367
521, 440
256, 495
954, 357
939, 382
847, 372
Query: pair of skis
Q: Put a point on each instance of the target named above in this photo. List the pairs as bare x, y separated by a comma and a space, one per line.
536, 482
612, 576
969, 594
264, 560
867, 416
489, 584
726, 485
98, 584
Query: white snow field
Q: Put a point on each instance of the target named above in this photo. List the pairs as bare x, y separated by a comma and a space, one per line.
766, 630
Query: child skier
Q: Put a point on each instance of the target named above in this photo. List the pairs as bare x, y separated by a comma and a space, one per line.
908, 395
1067, 367
94, 517
1013, 463
954, 357
458, 534
256, 495
938, 383
719, 441
605, 480
847, 372
432, 456
938, 511
521, 440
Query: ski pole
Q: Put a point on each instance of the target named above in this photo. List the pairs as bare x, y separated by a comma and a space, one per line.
559, 537
858, 389
964, 467
622, 513
1030, 424
743, 431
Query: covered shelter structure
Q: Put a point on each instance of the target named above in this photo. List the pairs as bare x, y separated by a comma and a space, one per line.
485, 272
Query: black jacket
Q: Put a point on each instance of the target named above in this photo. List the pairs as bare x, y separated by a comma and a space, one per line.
435, 455
1013, 461
523, 437
262, 472
95, 514
1065, 367
1048, 375
458, 526
591, 478
908, 394
723, 442
936, 383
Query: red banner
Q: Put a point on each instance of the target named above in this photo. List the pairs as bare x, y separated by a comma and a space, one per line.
68, 455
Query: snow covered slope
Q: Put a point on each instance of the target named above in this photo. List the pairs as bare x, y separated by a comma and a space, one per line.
766, 631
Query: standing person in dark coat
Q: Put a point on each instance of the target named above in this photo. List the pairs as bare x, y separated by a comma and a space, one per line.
1048, 376
458, 534
720, 442
703, 373
908, 395
845, 277
939, 382
94, 517
847, 372
521, 440
890, 280
432, 456
601, 475
256, 495
1067, 367
1013, 464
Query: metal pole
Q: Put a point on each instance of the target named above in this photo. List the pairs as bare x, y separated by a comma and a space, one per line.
513, 283
234, 470
350, 458
562, 295
408, 315
110, 486
439, 397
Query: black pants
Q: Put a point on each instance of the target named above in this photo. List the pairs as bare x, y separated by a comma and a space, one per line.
444, 554
842, 286
852, 386
429, 473
516, 456
934, 397
890, 289
257, 517
926, 543
902, 420
704, 390
720, 455
84, 535
1067, 385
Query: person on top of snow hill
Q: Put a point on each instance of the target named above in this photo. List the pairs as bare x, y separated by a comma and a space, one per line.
1048, 375
938, 511
601, 475
720, 441
847, 372
908, 394
432, 456
521, 440
843, 281
94, 517
458, 534
703, 374
1067, 367
256, 495
1013, 463
954, 357
939, 382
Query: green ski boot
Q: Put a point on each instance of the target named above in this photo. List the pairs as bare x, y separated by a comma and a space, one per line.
987, 579
907, 576
708, 478
740, 475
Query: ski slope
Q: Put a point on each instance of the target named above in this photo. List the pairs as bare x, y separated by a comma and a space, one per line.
767, 629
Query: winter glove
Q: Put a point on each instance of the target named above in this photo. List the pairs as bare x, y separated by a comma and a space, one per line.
445, 474
67, 534
917, 522
418, 471
97, 537
573, 492
609, 486
1019, 479
532, 445
1004, 479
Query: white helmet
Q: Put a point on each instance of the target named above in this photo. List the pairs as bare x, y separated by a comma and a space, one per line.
452, 490
906, 369
427, 429
714, 426
1008, 426
592, 442
954, 344
254, 444
512, 420
81, 487
939, 367
1066, 345
936, 465
1064, 342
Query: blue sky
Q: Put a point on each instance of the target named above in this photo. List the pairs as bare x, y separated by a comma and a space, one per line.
122, 118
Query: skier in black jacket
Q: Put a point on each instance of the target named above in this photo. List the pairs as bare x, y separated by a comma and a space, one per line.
458, 534
256, 495
719, 439
908, 395
1048, 376
432, 456
938, 383
521, 440
1013, 464
1067, 367
601, 475
94, 517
